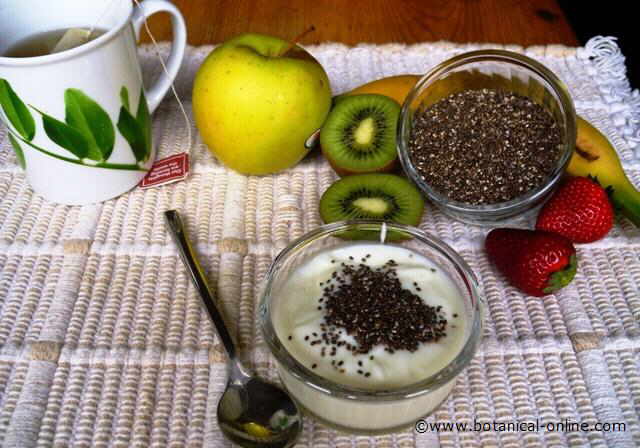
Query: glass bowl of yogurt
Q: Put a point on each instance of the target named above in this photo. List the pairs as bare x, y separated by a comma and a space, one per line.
370, 334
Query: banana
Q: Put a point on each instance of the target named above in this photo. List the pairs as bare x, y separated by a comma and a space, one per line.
396, 87
595, 156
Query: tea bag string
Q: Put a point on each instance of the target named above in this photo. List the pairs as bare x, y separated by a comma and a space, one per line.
187, 121
163, 188
99, 19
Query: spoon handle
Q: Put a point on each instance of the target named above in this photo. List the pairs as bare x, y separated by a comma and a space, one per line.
189, 259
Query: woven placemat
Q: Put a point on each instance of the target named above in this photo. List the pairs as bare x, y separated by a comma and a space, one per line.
103, 342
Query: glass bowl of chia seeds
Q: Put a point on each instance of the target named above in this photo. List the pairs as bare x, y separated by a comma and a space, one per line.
369, 335
487, 135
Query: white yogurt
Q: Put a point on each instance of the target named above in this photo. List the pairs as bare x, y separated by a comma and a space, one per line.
298, 316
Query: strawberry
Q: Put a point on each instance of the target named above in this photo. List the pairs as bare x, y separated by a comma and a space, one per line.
535, 261
580, 210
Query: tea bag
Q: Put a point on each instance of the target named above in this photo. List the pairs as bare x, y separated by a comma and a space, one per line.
72, 38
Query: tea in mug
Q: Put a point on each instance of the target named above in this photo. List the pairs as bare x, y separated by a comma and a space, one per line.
48, 42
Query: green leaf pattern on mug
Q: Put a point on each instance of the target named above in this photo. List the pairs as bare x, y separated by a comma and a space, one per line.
124, 97
18, 149
16, 111
131, 131
143, 117
87, 132
66, 136
136, 130
89, 119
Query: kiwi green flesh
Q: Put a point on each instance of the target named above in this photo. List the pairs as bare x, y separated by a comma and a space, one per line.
363, 134
359, 134
372, 196
368, 203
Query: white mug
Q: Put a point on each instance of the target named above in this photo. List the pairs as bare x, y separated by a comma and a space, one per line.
80, 120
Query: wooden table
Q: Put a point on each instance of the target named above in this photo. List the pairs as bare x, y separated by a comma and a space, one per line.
524, 22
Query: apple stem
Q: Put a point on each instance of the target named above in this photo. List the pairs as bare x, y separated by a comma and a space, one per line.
298, 38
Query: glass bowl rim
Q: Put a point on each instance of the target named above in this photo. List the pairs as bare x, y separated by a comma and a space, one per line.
509, 57
328, 387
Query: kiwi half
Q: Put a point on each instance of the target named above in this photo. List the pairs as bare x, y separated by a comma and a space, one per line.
359, 135
372, 196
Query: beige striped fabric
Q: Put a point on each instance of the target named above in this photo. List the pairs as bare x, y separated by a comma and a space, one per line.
103, 342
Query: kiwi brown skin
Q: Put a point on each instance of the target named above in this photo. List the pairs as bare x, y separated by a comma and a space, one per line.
393, 166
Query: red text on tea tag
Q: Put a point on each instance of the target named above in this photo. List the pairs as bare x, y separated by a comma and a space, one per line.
165, 171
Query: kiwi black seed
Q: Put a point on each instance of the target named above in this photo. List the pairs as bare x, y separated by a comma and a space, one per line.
372, 196
359, 135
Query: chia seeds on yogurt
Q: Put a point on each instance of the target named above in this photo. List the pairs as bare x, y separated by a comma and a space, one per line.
371, 305
484, 146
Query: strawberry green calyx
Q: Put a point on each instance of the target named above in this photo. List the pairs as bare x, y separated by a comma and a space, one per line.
607, 188
563, 277
534, 261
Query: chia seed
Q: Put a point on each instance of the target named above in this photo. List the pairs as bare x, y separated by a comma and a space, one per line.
372, 306
484, 146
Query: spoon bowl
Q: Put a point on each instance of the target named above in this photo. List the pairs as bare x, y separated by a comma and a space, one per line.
252, 412
258, 414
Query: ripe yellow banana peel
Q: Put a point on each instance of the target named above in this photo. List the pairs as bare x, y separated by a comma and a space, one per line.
396, 87
595, 156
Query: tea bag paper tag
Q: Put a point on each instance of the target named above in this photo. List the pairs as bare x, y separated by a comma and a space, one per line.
166, 171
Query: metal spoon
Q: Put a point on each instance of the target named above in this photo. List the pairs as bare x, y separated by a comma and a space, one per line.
251, 412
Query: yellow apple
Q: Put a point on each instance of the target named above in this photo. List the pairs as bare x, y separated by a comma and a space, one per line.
255, 107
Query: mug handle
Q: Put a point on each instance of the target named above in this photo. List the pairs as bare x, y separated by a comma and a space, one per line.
145, 9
